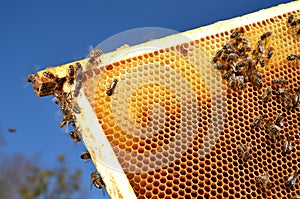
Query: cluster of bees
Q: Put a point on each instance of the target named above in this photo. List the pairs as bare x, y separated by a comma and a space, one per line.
68, 107
294, 23
238, 63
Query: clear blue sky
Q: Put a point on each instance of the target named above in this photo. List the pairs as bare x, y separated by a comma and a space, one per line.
36, 34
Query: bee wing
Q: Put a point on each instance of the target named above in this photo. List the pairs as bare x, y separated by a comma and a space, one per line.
103, 190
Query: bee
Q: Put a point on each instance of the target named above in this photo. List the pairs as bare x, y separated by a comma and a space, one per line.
290, 19
66, 120
49, 75
232, 83
296, 99
233, 56
292, 179
287, 145
227, 75
31, 78
78, 86
71, 73
219, 53
112, 87
265, 35
262, 61
75, 136
97, 181
279, 81
283, 91
293, 57
12, 130
94, 56
288, 101
224, 57
250, 63
85, 156
260, 47
75, 108
235, 34
278, 120
258, 121
270, 52
228, 48
267, 94
258, 82
244, 152
220, 67
274, 130
264, 180
240, 64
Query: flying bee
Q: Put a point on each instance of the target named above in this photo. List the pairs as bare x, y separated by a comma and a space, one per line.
264, 180
279, 81
112, 87
292, 179
278, 120
31, 78
274, 130
260, 47
267, 94
244, 152
287, 145
270, 52
265, 35
49, 75
97, 181
293, 57
85, 156
258, 121
75, 137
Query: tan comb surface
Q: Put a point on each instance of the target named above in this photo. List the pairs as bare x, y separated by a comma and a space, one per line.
174, 126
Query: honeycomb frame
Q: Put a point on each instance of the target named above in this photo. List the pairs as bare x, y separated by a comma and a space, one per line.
207, 163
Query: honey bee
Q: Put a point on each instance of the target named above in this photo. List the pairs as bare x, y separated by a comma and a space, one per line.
265, 35
31, 78
258, 82
112, 87
244, 152
290, 19
85, 156
75, 108
71, 72
78, 86
235, 34
292, 179
228, 48
279, 81
270, 52
233, 56
293, 57
260, 47
287, 101
97, 181
264, 180
258, 122
274, 130
287, 145
262, 61
296, 99
283, 91
227, 75
94, 56
49, 75
278, 120
240, 64
267, 94
220, 67
217, 56
66, 120
75, 136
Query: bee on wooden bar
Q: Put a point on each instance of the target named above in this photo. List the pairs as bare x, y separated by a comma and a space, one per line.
78, 86
293, 57
280, 81
112, 87
287, 145
264, 181
97, 181
66, 120
75, 108
244, 152
85, 156
75, 137
258, 121
49, 75
292, 179
31, 78
94, 56
267, 94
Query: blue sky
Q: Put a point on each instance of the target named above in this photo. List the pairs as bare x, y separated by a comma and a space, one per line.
37, 34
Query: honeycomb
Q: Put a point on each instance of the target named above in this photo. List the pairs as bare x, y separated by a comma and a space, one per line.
176, 127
